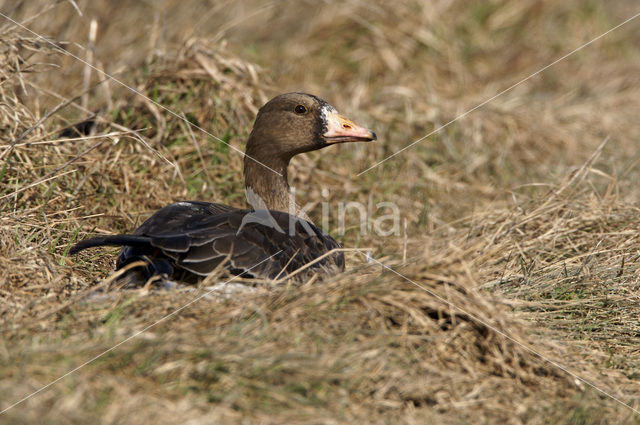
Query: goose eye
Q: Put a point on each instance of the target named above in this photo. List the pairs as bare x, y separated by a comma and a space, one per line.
300, 109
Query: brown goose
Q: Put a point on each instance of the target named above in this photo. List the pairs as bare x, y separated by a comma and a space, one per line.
188, 240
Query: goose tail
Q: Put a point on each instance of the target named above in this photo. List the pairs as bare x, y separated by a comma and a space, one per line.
112, 240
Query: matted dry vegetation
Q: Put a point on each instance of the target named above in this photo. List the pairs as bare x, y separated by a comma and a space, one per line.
521, 217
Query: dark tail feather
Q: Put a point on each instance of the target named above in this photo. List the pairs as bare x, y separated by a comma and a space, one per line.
115, 240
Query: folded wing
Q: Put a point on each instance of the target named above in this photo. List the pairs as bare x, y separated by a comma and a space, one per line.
188, 240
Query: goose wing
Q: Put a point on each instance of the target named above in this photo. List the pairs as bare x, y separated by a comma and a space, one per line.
195, 237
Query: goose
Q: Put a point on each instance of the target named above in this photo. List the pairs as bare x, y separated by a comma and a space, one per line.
186, 241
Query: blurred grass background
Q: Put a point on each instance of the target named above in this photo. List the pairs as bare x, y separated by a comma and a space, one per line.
518, 213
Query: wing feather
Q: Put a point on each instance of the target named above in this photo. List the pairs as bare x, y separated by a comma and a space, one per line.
196, 237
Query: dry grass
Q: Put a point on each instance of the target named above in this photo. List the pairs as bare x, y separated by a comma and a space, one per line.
519, 215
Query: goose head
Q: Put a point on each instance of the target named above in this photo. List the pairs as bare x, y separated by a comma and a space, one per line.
288, 125
295, 123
